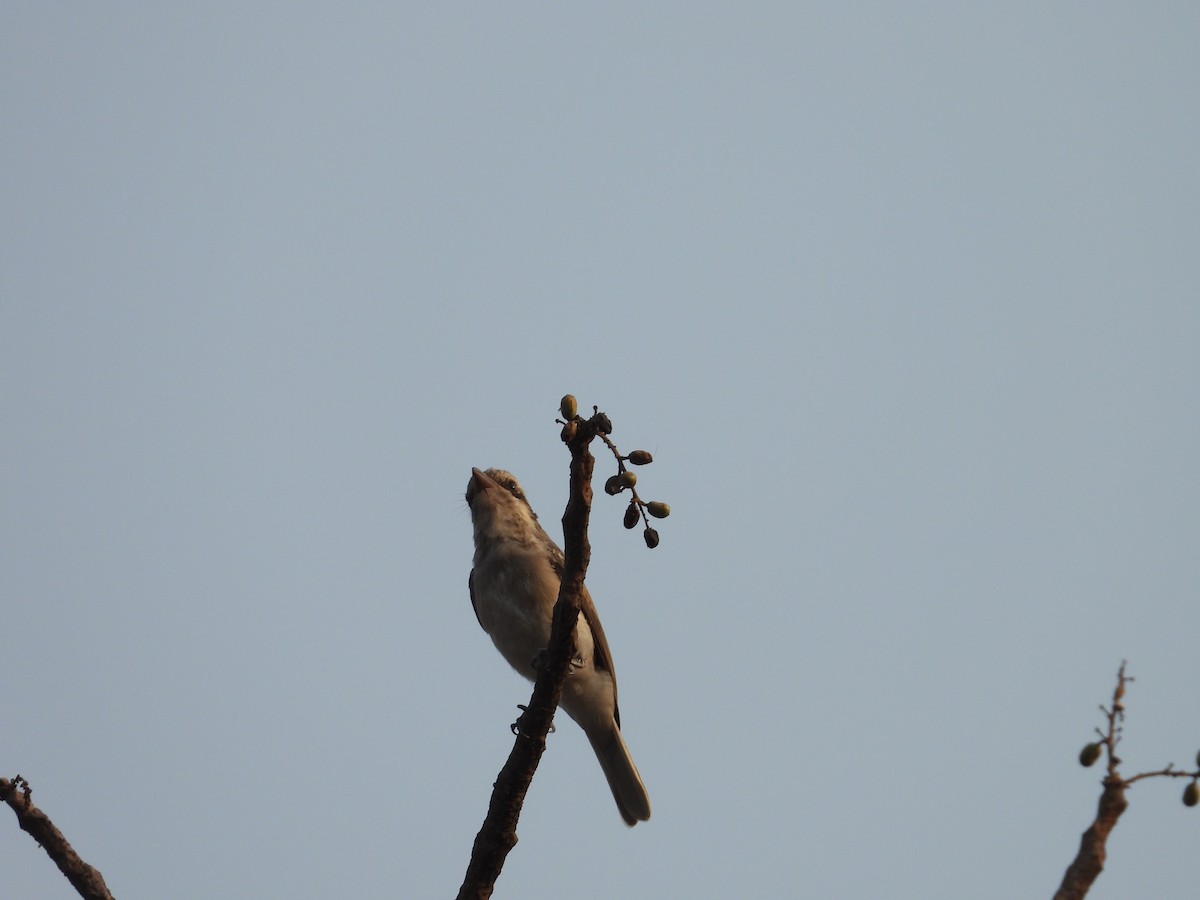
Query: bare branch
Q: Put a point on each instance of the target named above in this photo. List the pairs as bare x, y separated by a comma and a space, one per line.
1089, 861
88, 882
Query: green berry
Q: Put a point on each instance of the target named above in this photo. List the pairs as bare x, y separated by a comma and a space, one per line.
568, 407
658, 509
1089, 754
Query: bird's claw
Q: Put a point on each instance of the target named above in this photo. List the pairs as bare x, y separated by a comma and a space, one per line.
518, 727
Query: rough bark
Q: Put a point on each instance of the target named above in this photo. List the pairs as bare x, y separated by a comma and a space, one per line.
88, 882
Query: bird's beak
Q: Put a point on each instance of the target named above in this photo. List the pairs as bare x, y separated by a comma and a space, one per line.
480, 482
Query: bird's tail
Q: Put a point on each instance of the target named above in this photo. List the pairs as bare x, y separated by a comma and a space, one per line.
623, 778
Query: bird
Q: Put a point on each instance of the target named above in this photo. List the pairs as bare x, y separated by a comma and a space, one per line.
514, 584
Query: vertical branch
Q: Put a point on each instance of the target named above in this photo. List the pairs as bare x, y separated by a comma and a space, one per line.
498, 835
577, 550
1089, 861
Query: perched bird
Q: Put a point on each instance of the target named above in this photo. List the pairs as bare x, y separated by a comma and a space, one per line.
514, 586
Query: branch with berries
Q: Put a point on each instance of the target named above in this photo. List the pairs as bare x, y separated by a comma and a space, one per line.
1089, 861
626, 479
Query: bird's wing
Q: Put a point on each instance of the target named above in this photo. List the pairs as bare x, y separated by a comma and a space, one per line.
601, 656
471, 590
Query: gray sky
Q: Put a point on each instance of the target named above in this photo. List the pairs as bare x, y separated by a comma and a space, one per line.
902, 298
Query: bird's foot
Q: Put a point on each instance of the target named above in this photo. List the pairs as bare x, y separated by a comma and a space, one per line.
518, 727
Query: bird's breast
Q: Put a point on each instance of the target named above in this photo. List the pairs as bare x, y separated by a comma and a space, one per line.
514, 599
